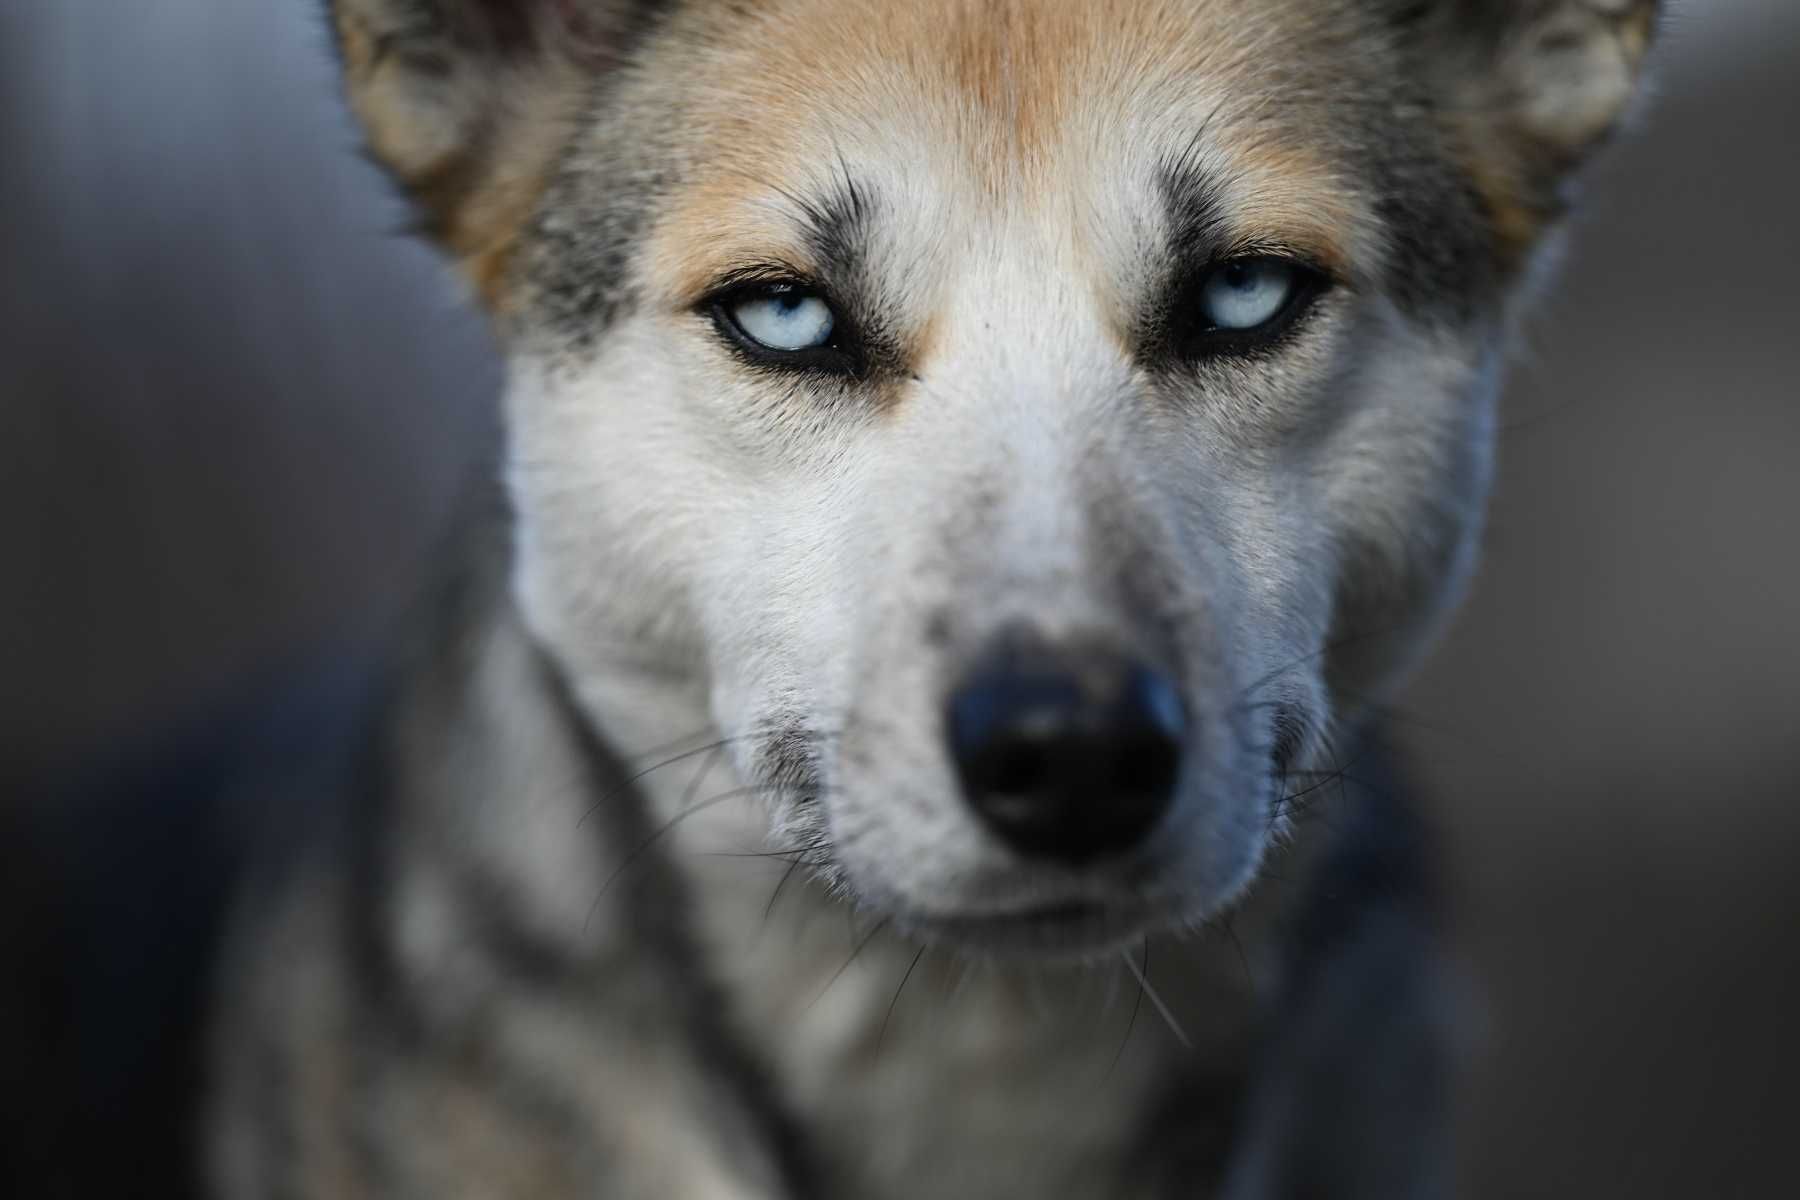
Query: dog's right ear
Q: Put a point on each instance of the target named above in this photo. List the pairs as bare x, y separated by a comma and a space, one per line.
466, 103
1529, 89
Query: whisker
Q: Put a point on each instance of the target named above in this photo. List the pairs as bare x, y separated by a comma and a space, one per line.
1324, 780
714, 747
1330, 647
803, 855
1130, 1024
1225, 924
856, 950
668, 747
693, 787
638, 850
892, 1004
1143, 979
769, 908
625, 786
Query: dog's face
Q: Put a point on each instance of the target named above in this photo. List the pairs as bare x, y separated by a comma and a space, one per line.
1032, 425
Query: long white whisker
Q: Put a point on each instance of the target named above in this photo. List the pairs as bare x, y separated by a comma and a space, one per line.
1167, 1016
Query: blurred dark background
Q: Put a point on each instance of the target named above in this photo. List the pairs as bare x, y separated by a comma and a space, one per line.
236, 405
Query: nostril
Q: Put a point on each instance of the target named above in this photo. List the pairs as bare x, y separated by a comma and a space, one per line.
1015, 768
1145, 766
1151, 699
1147, 756
1007, 725
1072, 755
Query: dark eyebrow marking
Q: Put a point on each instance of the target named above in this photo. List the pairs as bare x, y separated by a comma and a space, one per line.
1201, 232
1436, 264
1196, 214
1199, 237
836, 223
1194, 211
1192, 199
836, 226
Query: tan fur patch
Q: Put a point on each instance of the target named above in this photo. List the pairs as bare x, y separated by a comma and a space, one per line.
1563, 84
1013, 108
474, 149
1516, 212
485, 231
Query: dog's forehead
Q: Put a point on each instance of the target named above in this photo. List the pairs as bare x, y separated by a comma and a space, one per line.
963, 117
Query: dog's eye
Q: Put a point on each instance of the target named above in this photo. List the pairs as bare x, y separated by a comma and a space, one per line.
782, 317
1242, 305
1246, 294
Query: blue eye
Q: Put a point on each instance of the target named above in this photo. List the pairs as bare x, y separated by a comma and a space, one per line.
1248, 294
784, 319
1240, 307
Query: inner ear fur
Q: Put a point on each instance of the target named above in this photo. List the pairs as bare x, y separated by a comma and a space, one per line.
1532, 88
468, 102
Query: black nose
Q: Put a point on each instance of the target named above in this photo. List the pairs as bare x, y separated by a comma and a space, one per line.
1068, 754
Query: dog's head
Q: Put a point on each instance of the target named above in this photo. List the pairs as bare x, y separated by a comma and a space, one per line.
1032, 425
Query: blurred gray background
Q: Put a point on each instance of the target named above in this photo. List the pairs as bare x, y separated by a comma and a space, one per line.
235, 405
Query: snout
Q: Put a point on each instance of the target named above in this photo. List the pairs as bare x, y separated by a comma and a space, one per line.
1067, 752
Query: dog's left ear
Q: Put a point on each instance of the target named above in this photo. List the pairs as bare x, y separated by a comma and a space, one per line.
1531, 88
467, 102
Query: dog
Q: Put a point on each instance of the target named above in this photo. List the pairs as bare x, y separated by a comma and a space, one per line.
902, 726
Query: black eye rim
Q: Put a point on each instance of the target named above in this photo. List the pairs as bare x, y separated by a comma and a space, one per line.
1191, 337
841, 355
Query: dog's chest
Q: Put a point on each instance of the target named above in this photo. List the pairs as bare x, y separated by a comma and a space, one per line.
925, 1074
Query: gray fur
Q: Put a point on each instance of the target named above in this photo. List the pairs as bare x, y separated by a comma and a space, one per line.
544, 957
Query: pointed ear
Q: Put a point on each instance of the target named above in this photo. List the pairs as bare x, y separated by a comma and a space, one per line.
466, 103
1532, 88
